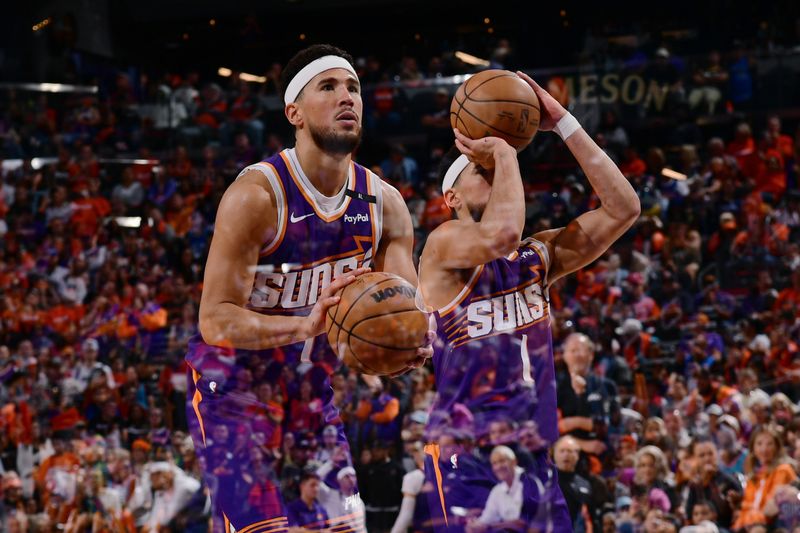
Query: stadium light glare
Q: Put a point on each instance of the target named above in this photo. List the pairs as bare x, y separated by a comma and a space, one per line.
470, 59
224, 72
671, 174
252, 77
128, 222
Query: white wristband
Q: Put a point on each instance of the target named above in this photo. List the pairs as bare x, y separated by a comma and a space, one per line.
566, 126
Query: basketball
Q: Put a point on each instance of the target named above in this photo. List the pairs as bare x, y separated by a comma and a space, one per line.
376, 327
496, 103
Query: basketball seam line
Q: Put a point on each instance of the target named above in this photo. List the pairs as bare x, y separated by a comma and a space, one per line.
339, 333
481, 100
521, 137
484, 82
460, 107
378, 316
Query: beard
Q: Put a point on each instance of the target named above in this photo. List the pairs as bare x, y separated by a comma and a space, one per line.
335, 143
476, 210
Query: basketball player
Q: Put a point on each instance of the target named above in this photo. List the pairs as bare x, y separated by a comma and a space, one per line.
488, 290
290, 232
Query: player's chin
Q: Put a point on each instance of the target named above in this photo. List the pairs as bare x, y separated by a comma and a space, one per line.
348, 126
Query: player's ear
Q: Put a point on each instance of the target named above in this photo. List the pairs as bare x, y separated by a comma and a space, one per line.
294, 114
452, 199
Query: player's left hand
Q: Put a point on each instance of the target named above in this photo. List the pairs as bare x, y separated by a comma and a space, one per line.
550, 111
424, 352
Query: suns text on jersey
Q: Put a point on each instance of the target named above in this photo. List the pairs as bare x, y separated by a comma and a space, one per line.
505, 312
298, 288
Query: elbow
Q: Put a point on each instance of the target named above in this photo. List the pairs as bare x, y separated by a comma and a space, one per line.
631, 213
209, 328
635, 210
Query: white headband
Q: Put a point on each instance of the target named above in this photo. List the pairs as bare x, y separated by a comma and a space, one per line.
308, 72
453, 172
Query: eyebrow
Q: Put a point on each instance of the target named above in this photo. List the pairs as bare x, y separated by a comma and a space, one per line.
333, 79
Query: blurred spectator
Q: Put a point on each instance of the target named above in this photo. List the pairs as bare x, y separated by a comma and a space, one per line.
711, 485
399, 168
710, 80
380, 485
380, 413
576, 489
306, 512
412, 491
587, 402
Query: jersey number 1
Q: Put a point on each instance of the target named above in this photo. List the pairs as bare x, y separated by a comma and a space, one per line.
526, 361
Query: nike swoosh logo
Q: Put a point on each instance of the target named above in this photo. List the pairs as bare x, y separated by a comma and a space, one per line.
293, 219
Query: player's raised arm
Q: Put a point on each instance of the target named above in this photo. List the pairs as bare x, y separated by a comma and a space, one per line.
586, 238
247, 218
466, 242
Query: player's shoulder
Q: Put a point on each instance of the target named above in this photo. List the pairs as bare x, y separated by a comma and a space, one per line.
443, 234
249, 197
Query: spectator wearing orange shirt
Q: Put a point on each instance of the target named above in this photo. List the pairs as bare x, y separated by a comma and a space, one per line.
784, 143
181, 166
89, 210
767, 468
789, 298
57, 475
436, 209
743, 148
771, 174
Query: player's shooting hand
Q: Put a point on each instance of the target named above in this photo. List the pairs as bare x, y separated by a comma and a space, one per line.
483, 151
550, 111
315, 321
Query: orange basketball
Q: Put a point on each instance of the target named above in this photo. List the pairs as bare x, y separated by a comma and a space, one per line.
376, 327
496, 103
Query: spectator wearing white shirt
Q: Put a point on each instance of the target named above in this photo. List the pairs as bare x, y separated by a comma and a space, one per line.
89, 365
412, 485
504, 504
130, 191
344, 501
172, 490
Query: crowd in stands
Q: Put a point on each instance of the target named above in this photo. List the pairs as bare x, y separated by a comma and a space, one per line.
676, 351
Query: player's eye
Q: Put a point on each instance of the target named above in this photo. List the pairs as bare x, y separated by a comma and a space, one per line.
355, 89
327, 87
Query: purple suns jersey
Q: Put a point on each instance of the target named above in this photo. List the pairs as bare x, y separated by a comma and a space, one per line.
317, 239
493, 359
313, 244
496, 393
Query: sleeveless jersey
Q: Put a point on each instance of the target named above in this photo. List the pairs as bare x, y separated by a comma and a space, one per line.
311, 247
493, 358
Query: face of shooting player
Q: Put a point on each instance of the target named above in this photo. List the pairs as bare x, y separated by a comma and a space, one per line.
471, 190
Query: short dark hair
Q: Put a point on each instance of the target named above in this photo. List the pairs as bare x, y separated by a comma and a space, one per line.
306, 56
448, 159
308, 474
699, 439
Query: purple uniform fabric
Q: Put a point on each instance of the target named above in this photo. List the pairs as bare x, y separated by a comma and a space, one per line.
495, 382
312, 247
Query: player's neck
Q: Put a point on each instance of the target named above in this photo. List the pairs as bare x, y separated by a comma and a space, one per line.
326, 172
